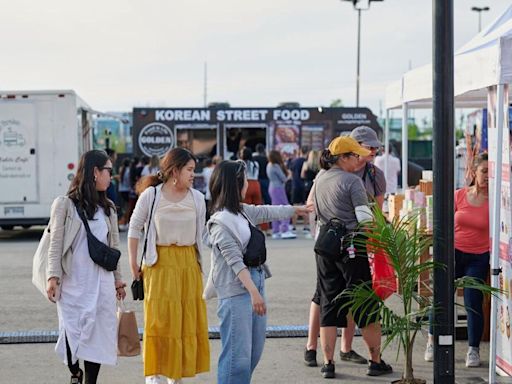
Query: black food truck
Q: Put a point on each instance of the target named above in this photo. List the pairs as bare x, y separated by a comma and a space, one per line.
224, 131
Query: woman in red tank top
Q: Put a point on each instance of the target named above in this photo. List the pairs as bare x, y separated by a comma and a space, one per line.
471, 254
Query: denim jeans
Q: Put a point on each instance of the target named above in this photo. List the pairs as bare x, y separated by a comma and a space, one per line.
242, 334
477, 266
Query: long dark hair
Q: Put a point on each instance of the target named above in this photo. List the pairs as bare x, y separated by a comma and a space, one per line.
274, 157
175, 159
226, 185
83, 187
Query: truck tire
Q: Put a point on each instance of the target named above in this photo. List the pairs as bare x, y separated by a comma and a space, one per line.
26, 226
7, 227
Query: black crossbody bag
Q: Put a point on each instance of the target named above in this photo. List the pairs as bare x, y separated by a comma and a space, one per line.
256, 253
329, 242
103, 255
137, 286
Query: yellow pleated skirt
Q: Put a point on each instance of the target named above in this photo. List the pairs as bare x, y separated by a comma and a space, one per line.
175, 340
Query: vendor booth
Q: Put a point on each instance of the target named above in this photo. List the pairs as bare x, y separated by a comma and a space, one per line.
224, 131
483, 72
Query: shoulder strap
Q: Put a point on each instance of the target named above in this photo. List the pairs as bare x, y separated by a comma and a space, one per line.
316, 202
247, 218
147, 231
83, 218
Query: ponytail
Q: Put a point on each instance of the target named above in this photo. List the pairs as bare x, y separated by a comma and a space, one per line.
146, 182
327, 159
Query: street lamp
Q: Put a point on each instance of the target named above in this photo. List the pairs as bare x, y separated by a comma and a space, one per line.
480, 10
359, 5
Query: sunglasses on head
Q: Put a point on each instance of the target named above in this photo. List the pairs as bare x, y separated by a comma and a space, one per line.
240, 167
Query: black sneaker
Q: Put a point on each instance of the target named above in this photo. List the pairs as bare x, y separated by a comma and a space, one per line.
310, 358
328, 370
353, 357
377, 369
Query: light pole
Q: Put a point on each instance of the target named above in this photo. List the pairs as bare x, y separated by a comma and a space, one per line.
480, 10
359, 5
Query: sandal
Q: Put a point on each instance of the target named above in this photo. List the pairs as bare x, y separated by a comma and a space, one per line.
77, 379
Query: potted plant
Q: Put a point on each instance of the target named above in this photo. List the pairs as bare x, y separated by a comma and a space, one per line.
404, 245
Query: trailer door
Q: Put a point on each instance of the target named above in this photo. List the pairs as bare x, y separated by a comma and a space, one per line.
18, 152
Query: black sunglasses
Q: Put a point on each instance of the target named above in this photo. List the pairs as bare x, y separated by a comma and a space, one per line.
109, 169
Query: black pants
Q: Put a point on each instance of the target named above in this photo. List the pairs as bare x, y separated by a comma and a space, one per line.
91, 369
336, 274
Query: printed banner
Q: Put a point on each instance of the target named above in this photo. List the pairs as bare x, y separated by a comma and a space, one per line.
504, 303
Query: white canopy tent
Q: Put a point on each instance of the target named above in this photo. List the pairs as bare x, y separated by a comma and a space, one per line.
483, 62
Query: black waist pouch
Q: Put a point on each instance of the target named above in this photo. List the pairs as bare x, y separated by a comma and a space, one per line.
330, 239
99, 252
256, 252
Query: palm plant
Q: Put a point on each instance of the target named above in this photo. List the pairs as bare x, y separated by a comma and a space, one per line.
404, 245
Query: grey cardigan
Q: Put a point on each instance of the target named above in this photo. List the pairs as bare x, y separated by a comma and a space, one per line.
64, 226
276, 175
227, 249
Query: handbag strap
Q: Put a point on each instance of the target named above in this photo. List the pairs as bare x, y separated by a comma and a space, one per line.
247, 218
318, 209
316, 202
144, 249
83, 218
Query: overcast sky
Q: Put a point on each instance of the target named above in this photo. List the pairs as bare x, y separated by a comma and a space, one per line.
117, 54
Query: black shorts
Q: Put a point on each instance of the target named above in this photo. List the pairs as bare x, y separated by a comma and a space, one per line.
333, 276
298, 194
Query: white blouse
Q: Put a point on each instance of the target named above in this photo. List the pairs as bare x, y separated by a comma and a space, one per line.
176, 221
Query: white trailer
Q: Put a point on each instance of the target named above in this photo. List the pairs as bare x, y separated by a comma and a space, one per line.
42, 135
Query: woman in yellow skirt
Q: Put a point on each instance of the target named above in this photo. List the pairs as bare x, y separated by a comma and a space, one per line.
175, 343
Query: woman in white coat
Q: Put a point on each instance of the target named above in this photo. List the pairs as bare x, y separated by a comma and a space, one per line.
85, 292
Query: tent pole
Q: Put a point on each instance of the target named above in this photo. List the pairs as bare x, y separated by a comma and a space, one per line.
405, 148
495, 228
386, 145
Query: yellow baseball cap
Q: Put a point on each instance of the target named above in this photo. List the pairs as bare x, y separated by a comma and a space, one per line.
346, 144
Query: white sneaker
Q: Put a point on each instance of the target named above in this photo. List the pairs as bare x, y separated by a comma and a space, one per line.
288, 235
307, 234
276, 235
473, 357
429, 353
156, 379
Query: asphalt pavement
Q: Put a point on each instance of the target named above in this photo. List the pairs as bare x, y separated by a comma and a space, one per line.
288, 298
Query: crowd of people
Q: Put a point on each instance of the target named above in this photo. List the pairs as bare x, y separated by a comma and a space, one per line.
158, 204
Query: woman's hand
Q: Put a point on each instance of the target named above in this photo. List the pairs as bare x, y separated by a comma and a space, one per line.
303, 209
120, 292
136, 273
52, 288
258, 304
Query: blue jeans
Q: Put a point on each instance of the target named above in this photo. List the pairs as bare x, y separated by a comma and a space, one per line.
477, 266
242, 334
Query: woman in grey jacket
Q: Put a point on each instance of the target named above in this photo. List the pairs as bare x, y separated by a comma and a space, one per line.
240, 289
